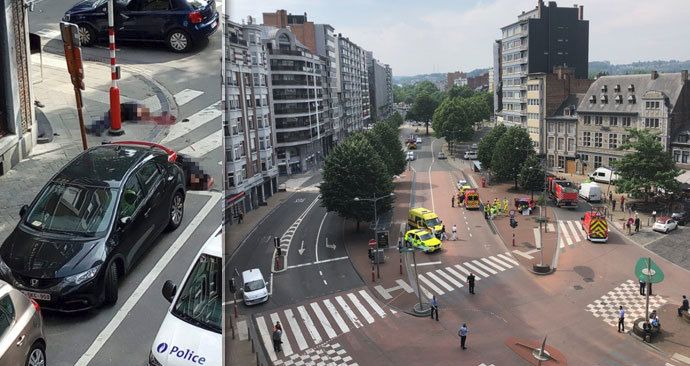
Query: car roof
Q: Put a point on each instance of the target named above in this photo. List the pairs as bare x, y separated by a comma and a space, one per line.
105, 165
252, 274
214, 244
663, 218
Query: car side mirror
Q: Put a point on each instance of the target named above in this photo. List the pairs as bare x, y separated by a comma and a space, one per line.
22, 211
169, 290
582, 218
124, 221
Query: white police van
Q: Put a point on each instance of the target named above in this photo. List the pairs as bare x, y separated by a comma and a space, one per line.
191, 331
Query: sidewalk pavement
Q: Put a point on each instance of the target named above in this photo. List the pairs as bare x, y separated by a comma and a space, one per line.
55, 92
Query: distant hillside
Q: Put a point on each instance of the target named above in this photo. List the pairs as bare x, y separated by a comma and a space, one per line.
436, 77
641, 67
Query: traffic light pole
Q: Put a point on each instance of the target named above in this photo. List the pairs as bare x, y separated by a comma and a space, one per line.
115, 114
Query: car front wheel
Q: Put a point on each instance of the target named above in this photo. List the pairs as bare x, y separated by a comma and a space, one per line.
111, 281
87, 35
179, 41
37, 355
176, 211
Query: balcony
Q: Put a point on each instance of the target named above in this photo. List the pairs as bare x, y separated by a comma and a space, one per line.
234, 39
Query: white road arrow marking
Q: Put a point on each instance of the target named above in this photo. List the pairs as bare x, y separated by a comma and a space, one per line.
301, 248
332, 246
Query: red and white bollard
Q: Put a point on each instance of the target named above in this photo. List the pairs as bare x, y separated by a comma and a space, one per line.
513, 237
373, 274
400, 263
115, 113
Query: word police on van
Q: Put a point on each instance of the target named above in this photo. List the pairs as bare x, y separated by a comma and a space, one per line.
184, 354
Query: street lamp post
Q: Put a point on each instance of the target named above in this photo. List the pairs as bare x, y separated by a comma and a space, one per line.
376, 224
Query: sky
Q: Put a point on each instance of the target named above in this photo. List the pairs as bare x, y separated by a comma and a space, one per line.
419, 37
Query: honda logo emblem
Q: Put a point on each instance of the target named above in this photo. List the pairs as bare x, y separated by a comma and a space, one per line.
34, 282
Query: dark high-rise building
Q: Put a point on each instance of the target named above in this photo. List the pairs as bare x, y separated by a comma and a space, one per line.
541, 39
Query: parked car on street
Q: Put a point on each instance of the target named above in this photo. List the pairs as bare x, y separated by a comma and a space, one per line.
91, 223
180, 24
254, 287
410, 156
191, 332
419, 140
665, 224
441, 155
21, 329
470, 155
423, 240
680, 217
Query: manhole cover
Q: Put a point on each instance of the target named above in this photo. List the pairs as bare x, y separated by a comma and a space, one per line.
587, 279
578, 287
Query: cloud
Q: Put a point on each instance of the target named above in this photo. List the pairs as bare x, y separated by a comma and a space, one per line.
441, 36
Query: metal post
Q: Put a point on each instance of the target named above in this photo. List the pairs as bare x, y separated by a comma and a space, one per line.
649, 286
513, 236
115, 116
376, 225
416, 277
80, 114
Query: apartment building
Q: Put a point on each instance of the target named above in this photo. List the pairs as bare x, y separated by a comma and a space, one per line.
658, 102
542, 38
561, 136
353, 78
250, 161
380, 88
545, 94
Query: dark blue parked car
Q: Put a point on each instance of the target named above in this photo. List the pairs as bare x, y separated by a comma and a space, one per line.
178, 23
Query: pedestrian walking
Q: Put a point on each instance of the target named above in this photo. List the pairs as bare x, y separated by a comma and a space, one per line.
443, 232
454, 233
613, 206
434, 307
628, 224
452, 201
643, 285
611, 198
463, 335
637, 223
622, 203
621, 319
470, 282
505, 205
240, 217
684, 307
277, 338
486, 210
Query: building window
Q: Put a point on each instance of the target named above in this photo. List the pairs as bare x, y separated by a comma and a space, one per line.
571, 128
613, 141
550, 161
651, 105
584, 157
686, 155
551, 126
617, 88
651, 122
631, 99
587, 120
550, 143
598, 139
597, 161
598, 120
560, 127
625, 138
676, 156
586, 139
613, 121
619, 99
561, 162
561, 144
625, 122
571, 145
612, 161
683, 138
604, 89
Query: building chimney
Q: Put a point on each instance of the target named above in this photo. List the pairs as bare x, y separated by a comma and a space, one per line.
684, 75
655, 74
582, 12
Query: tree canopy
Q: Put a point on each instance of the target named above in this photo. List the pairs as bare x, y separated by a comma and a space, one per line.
511, 150
647, 167
355, 169
531, 176
423, 109
487, 145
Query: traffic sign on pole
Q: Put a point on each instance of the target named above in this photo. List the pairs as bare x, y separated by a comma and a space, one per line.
648, 271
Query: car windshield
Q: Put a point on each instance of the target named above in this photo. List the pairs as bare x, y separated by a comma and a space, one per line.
73, 209
254, 285
425, 236
661, 221
433, 222
197, 4
200, 301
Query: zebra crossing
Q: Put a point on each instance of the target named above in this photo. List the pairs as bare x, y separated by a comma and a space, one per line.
570, 232
440, 281
310, 325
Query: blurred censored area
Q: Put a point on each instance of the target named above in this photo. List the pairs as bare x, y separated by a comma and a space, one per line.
131, 112
196, 178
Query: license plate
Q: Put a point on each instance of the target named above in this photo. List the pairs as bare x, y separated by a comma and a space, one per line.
37, 295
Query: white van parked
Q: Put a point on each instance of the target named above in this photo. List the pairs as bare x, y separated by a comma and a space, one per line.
604, 175
470, 155
254, 287
191, 333
590, 192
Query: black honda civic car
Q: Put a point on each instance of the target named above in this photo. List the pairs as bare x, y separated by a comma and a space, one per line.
91, 222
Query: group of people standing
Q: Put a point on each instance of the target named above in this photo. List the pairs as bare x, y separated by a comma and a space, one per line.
495, 208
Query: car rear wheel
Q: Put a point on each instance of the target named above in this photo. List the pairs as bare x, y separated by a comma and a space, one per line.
37, 355
111, 280
87, 35
176, 211
179, 41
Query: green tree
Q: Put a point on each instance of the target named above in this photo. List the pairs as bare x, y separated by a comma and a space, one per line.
532, 174
386, 141
423, 109
488, 144
453, 120
459, 91
395, 120
354, 169
511, 150
647, 168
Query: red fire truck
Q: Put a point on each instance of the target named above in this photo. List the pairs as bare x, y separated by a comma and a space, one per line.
562, 192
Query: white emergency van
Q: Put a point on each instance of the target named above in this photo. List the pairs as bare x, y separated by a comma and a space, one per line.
590, 192
604, 175
191, 333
